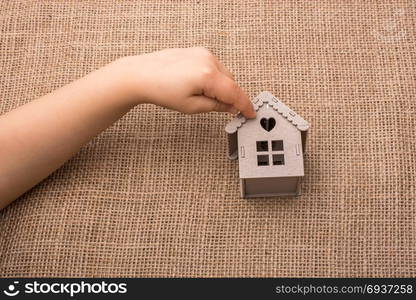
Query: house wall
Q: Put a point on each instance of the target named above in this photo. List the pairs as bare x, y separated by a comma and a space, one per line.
252, 131
278, 186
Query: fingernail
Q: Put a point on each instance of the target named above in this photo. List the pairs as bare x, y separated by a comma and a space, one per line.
233, 110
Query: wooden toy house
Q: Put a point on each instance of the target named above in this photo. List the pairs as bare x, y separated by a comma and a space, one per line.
269, 148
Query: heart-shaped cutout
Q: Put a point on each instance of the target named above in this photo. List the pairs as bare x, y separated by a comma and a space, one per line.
268, 123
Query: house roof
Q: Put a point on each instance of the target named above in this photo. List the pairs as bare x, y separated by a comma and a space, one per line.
280, 107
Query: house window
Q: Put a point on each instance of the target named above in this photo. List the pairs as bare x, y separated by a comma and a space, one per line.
277, 145
262, 160
262, 146
278, 159
275, 156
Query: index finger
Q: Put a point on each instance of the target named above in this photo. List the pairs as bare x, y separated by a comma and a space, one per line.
226, 90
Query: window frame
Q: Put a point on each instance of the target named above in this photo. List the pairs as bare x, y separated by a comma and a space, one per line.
270, 153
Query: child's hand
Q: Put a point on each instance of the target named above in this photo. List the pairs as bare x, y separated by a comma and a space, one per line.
189, 80
41, 135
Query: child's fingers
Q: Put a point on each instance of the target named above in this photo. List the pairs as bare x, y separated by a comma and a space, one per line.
205, 53
223, 69
221, 87
206, 104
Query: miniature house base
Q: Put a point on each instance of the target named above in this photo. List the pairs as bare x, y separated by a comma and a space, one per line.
269, 149
270, 186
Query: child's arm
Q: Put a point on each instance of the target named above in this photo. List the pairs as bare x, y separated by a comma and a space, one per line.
37, 138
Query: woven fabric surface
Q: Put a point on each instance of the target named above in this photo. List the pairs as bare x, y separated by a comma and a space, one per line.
155, 194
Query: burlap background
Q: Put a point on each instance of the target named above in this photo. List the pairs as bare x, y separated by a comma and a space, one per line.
155, 195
